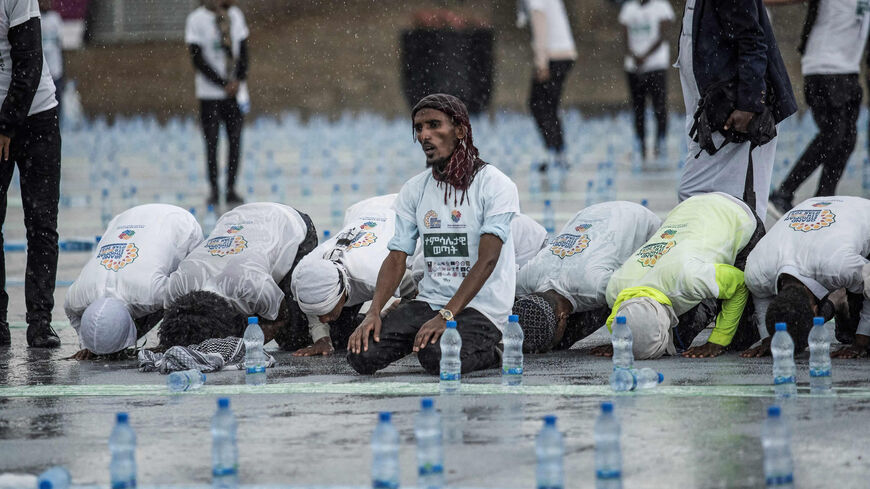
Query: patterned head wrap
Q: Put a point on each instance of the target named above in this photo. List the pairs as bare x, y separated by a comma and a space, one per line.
538, 320
465, 161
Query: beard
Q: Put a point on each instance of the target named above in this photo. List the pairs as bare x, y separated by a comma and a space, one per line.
438, 164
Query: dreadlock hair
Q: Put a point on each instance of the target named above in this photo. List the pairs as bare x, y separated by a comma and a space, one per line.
198, 316
465, 161
792, 307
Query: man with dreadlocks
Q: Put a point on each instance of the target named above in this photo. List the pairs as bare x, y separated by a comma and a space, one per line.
561, 292
462, 208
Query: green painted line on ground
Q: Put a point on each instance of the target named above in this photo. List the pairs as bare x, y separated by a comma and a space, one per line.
401, 389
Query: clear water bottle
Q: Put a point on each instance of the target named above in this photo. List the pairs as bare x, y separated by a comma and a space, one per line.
451, 363
624, 379
430, 451
620, 337
326, 235
608, 456
782, 348
105, 206
209, 220
534, 184
385, 454
550, 450
122, 445
549, 220
775, 439
255, 357
590, 193
336, 207
54, 478
512, 358
224, 451
820, 358
185, 380
305, 182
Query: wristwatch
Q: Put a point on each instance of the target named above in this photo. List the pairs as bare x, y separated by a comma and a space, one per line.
446, 314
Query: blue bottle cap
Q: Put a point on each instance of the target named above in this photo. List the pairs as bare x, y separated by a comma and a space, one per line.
427, 403
547, 203
606, 407
780, 326
45, 484
513, 318
451, 324
253, 320
818, 321
122, 417
620, 319
773, 411
385, 416
326, 233
661, 378
549, 420
223, 402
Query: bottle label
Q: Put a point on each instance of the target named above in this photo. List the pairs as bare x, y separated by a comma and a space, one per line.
127, 484
779, 480
814, 372
550, 487
606, 475
448, 376
430, 469
379, 484
256, 370
783, 380
512, 371
223, 471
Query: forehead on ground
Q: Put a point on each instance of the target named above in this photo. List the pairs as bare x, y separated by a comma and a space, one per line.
429, 114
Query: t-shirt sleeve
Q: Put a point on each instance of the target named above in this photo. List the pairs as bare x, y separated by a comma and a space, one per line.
405, 237
500, 195
498, 225
192, 33
20, 11
666, 12
623, 14
406, 202
536, 5
240, 27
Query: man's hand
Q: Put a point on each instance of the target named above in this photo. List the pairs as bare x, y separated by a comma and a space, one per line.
739, 121
602, 351
638, 60
5, 144
430, 332
232, 88
359, 339
83, 355
323, 346
542, 75
707, 350
857, 349
762, 350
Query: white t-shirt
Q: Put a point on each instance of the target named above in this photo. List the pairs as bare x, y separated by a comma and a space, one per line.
451, 236
823, 242
529, 237
837, 38
578, 262
201, 29
141, 247
250, 250
52, 25
559, 37
643, 22
14, 13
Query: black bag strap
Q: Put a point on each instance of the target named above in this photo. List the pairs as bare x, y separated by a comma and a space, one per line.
749, 186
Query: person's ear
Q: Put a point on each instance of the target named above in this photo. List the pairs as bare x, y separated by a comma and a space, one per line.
461, 132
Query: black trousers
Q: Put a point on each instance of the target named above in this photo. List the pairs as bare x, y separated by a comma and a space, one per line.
400, 327
212, 113
36, 151
294, 334
652, 85
544, 104
835, 101
581, 325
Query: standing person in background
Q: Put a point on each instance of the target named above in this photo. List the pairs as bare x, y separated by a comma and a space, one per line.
52, 49
217, 34
732, 41
554, 55
647, 59
832, 42
30, 139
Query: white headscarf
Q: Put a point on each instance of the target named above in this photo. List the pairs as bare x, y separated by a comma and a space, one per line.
650, 323
318, 285
107, 327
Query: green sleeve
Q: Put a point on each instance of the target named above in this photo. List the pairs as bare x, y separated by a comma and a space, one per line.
734, 295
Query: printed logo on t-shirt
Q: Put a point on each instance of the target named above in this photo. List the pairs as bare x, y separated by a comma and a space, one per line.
226, 245
126, 234
235, 229
362, 240
455, 215
441, 245
431, 221
821, 204
650, 254
565, 245
453, 268
806, 220
669, 233
368, 225
582, 228
117, 255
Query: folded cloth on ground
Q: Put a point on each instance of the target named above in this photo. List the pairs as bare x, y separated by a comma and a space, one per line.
209, 356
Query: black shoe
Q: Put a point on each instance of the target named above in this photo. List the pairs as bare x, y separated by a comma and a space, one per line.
5, 337
212, 199
41, 335
233, 199
780, 201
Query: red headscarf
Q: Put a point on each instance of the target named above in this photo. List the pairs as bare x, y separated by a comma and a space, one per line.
464, 163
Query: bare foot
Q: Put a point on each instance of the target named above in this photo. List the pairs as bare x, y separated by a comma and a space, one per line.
602, 351
707, 350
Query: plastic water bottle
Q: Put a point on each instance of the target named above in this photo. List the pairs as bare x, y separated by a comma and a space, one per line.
608, 456
550, 450
620, 337
54, 478
820, 358
430, 451
336, 207
209, 220
512, 359
782, 348
224, 452
451, 363
775, 439
105, 207
122, 444
326, 236
590, 193
385, 454
549, 218
255, 357
185, 380
534, 184
624, 379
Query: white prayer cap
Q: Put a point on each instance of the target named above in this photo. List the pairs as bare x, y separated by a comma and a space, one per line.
107, 327
650, 323
317, 285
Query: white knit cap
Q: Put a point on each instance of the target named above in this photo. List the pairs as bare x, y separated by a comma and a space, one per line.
650, 323
107, 327
317, 286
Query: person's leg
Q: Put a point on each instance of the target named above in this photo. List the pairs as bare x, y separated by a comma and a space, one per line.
234, 120
210, 120
845, 100
581, 325
558, 73
638, 104
36, 150
538, 106
6, 171
479, 342
398, 330
693, 322
658, 92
